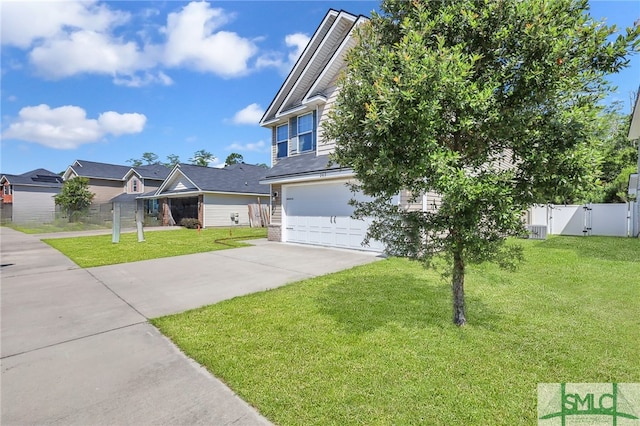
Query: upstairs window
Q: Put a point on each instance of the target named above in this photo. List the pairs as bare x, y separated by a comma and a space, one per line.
282, 141
135, 185
6, 189
306, 134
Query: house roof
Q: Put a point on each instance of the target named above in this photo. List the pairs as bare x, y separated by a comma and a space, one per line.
38, 177
237, 178
92, 169
315, 69
301, 166
125, 198
151, 171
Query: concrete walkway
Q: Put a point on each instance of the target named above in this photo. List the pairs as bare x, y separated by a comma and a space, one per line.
77, 347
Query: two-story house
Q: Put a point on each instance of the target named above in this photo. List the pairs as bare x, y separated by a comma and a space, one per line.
309, 196
115, 183
29, 197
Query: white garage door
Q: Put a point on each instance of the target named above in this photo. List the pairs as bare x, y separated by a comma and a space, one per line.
320, 214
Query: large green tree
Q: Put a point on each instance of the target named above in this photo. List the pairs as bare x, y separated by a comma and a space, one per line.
234, 158
437, 95
619, 158
202, 158
75, 197
172, 160
146, 159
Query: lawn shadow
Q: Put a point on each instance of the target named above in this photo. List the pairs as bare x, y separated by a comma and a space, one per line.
605, 248
364, 303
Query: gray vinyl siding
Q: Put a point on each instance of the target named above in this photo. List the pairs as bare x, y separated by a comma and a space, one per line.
105, 190
326, 146
219, 207
274, 146
34, 205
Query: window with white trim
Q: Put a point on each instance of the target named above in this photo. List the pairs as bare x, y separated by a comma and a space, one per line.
306, 133
282, 141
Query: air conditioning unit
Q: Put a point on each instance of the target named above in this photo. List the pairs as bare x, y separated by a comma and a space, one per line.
537, 232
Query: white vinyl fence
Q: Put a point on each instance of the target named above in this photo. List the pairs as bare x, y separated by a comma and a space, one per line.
616, 220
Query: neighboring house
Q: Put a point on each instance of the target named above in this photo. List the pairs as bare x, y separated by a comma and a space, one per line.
216, 197
137, 181
634, 179
105, 180
115, 183
29, 197
310, 199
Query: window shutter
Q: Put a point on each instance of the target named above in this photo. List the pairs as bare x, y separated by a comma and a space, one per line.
315, 128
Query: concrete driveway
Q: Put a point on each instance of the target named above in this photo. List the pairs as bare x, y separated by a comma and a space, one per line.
77, 347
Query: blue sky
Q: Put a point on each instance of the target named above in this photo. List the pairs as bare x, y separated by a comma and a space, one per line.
108, 81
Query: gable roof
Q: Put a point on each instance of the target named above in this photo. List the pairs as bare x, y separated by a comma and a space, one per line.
236, 178
308, 78
37, 177
92, 169
150, 171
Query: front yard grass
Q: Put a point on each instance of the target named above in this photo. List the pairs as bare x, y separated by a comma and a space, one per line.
375, 344
99, 250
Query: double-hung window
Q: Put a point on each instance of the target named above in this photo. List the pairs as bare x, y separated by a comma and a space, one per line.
282, 141
306, 136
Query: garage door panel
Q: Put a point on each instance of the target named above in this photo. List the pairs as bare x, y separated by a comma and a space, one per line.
320, 214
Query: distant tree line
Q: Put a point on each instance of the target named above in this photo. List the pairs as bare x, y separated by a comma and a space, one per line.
200, 158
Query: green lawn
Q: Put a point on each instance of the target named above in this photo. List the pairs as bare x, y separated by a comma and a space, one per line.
57, 226
375, 344
99, 250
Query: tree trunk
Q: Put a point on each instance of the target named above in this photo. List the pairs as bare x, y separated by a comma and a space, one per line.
457, 287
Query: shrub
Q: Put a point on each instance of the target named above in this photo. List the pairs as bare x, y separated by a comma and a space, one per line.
190, 223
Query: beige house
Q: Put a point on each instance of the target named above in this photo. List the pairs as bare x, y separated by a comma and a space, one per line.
115, 183
310, 197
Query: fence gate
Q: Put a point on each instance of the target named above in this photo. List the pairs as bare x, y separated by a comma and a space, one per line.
589, 219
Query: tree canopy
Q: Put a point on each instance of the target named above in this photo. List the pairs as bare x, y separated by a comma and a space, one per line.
202, 158
147, 159
490, 105
234, 158
75, 197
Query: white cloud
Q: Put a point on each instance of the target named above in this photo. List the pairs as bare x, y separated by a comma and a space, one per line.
250, 114
68, 127
259, 146
24, 22
296, 43
67, 38
143, 80
86, 51
193, 42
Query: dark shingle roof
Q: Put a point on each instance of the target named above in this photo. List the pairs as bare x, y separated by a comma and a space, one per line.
125, 198
153, 171
38, 177
92, 169
300, 165
240, 178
